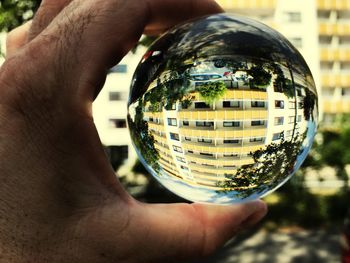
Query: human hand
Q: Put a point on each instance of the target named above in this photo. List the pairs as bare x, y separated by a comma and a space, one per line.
59, 198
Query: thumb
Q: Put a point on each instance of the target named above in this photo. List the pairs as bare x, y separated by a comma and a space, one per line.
190, 231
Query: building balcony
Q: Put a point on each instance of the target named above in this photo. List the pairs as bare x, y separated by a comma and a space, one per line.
162, 148
335, 80
333, 5
159, 138
212, 169
169, 166
329, 29
207, 176
341, 54
156, 126
158, 115
224, 161
203, 132
222, 149
238, 94
336, 106
223, 114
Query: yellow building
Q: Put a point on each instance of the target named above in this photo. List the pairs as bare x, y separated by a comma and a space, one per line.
320, 29
203, 144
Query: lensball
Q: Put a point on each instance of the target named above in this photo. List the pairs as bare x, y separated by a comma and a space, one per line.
222, 110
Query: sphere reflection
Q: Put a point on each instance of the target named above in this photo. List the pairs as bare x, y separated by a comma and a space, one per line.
222, 110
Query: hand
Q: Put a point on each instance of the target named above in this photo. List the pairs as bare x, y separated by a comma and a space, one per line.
60, 201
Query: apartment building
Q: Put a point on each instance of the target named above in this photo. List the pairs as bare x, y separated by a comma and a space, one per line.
202, 145
320, 29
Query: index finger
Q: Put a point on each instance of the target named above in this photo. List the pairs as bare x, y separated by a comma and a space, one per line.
87, 37
167, 13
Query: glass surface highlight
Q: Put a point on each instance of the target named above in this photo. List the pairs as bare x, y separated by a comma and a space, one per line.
222, 110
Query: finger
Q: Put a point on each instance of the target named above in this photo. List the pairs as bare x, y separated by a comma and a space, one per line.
87, 37
17, 38
47, 11
198, 230
158, 24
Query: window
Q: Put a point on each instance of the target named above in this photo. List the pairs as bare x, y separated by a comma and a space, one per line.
190, 151
172, 122
115, 96
258, 123
289, 133
231, 141
258, 104
121, 68
170, 106
177, 149
292, 105
204, 123
299, 118
328, 92
300, 105
277, 136
150, 119
180, 159
299, 92
297, 42
279, 120
174, 136
231, 124
184, 168
291, 119
187, 138
231, 104
205, 140
117, 123
201, 105
294, 17
256, 139
279, 104
345, 92
185, 123
207, 154
230, 155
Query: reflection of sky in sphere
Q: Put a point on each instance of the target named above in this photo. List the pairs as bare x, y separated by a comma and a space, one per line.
222, 110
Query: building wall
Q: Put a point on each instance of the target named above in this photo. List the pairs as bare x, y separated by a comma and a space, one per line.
320, 29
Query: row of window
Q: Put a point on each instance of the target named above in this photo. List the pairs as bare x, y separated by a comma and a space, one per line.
231, 104
173, 122
277, 121
176, 137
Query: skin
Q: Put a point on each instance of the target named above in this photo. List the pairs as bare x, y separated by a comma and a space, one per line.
60, 201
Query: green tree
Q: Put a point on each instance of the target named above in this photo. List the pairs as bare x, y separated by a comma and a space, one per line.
212, 91
14, 13
333, 148
272, 165
261, 76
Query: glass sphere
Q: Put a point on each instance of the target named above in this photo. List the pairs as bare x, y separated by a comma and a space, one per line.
222, 110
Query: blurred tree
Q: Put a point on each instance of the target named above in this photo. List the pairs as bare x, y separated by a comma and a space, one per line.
333, 148
14, 13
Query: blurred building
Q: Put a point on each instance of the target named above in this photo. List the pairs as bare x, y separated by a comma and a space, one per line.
110, 110
320, 29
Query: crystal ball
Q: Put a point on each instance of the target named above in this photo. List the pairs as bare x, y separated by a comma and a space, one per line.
222, 109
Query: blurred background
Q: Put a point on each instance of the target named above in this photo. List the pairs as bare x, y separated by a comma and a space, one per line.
307, 219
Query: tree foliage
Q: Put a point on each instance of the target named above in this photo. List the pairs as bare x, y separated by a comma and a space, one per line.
14, 13
212, 91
